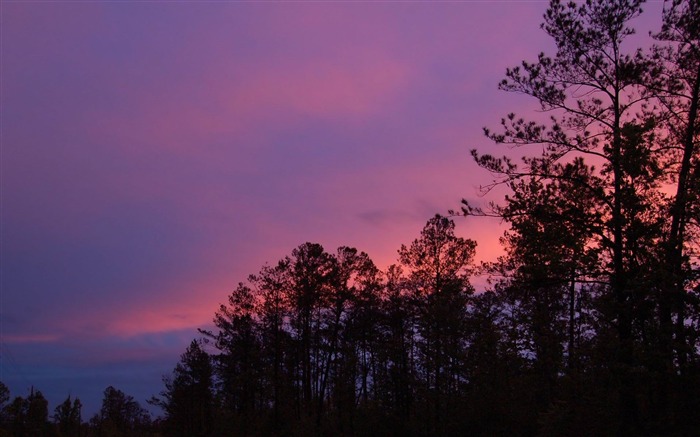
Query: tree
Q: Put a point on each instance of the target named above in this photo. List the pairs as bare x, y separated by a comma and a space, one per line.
595, 93
271, 285
676, 86
188, 399
354, 337
237, 365
398, 383
544, 280
296, 338
312, 272
4, 399
37, 414
496, 403
30, 416
67, 417
121, 415
16, 416
439, 265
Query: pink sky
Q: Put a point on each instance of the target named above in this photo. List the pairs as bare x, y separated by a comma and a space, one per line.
155, 154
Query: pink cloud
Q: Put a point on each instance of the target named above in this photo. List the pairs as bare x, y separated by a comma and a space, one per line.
166, 318
186, 120
184, 309
322, 89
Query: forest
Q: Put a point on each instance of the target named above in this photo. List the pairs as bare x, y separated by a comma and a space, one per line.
590, 322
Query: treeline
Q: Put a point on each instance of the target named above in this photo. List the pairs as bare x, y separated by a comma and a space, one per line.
120, 415
326, 344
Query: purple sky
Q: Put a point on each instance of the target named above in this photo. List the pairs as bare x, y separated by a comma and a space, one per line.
156, 153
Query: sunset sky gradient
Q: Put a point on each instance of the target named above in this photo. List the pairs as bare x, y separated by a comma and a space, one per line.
156, 153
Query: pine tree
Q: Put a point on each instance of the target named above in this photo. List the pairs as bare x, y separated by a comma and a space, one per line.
439, 264
595, 94
188, 398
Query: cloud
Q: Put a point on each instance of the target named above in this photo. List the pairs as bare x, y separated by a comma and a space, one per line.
192, 119
324, 89
30, 338
385, 217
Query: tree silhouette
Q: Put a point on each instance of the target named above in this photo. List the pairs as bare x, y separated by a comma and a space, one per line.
603, 146
188, 398
28, 417
120, 415
4, 399
677, 87
439, 266
67, 417
238, 363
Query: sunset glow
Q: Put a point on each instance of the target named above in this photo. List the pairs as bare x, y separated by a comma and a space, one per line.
155, 154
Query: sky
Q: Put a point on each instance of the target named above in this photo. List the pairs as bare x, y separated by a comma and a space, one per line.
156, 153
